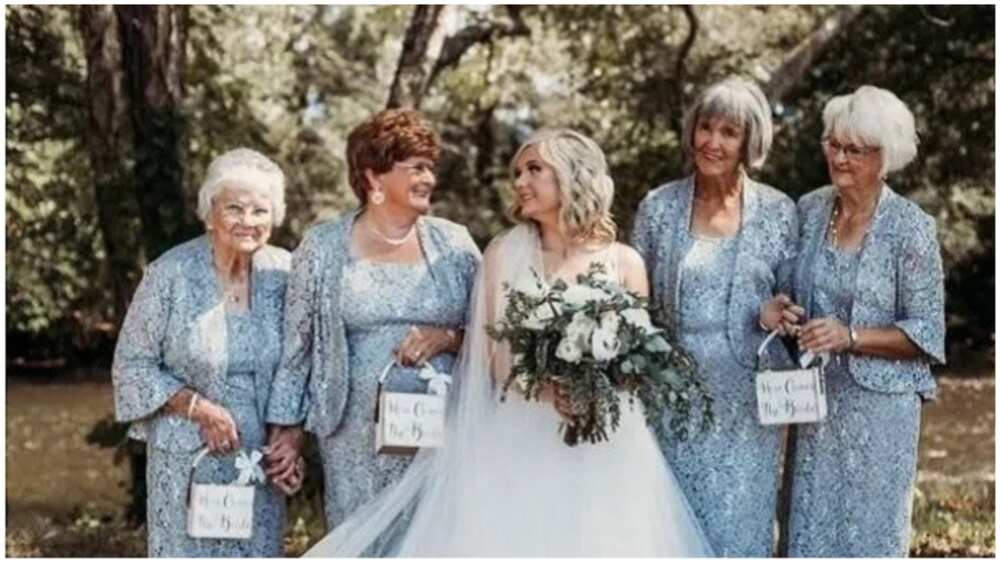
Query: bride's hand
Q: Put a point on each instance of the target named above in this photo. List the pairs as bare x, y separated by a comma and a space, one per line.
555, 394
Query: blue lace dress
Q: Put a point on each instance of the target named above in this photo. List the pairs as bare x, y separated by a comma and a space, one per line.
854, 473
381, 301
730, 474
168, 472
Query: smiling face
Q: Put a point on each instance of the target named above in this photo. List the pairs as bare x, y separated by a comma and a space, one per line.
241, 219
718, 146
536, 187
853, 166
409, 184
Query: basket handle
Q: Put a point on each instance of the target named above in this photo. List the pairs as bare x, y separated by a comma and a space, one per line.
805, 359
194, 464
381, 381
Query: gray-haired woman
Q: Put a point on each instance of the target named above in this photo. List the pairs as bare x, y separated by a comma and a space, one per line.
197, 351
718, 245
870, 279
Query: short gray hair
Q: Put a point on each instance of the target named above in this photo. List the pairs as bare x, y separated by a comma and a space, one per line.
741, 101
246, 168
874, 117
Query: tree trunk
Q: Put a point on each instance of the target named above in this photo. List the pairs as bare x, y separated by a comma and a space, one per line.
107, 142
411, 73
153, 56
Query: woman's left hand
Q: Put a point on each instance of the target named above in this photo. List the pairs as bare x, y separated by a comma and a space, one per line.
824, 334
423, 342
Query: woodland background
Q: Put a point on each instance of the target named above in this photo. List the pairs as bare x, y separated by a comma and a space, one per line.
113, 113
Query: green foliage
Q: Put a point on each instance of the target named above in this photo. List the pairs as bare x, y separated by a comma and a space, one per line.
291, 81
591, 340
54, 263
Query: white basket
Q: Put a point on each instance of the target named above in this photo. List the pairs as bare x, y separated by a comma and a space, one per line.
406, 422
219, 511
792, 396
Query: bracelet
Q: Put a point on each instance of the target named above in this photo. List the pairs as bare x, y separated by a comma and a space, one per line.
852, 336
194, 400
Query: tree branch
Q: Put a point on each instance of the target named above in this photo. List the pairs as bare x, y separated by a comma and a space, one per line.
801, 58
455, 46
410, 81
680, 68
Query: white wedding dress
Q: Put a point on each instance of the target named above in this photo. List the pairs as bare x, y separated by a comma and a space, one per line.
505, 484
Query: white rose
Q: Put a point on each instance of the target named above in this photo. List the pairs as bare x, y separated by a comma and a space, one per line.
581, 327
658, 344
577, 296
639, 317
569, 350
604, 344
610, 321
541, 316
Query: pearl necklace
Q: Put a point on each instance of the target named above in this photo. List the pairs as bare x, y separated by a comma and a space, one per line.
834, 229
386, 239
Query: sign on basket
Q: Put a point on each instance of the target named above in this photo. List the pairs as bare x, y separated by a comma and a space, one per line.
405, 421
224, 511
789, 396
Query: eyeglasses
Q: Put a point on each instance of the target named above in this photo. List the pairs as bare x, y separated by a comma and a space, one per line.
420, 168
852, 152
232, 211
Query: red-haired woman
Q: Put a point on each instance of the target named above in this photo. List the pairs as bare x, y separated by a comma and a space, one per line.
382, 282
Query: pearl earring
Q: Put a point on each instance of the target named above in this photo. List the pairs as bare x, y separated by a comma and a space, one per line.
377, 197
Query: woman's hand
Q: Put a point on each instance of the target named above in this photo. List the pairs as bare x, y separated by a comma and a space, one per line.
825, 334
782, 314
424, 342
293, 483
282, 453
216, 425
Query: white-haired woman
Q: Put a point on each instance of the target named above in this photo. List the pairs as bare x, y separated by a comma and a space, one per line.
718, 245
197, 351
505, 484
869, 277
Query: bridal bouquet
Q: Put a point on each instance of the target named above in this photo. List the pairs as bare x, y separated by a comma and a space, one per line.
595, 341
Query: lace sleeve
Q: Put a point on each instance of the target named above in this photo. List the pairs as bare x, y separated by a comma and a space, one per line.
142, 383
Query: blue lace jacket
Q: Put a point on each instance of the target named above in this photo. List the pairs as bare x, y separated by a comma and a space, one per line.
174, 336
312, 383
765, 255
900, 282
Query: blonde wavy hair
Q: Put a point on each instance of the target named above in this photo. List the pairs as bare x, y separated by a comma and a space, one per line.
585, 187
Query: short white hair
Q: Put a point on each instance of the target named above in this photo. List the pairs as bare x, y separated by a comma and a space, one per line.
741, 101
245, 168
874, 117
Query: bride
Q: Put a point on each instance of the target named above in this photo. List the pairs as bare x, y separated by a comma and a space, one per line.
505, 484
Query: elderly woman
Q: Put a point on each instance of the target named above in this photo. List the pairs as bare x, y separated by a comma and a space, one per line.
718, 245
869, 277
197, 351
380, 284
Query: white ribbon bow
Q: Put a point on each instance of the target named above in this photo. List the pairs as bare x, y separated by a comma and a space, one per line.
249, 468
808, 357
437, 383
